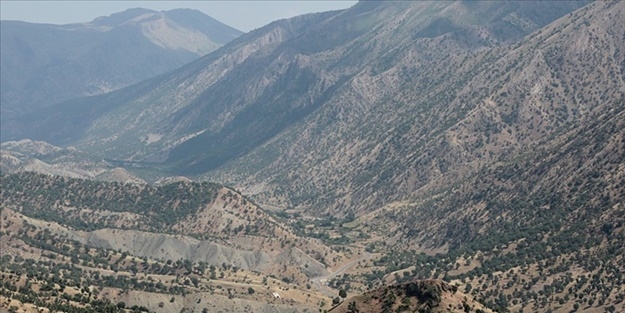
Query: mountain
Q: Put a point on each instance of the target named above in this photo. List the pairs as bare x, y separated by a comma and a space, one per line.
479, 143
43, 64
321, 104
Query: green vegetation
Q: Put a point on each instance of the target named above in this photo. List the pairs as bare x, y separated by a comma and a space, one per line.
44, 197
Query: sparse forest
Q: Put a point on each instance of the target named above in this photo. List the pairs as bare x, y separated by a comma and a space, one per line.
395, 156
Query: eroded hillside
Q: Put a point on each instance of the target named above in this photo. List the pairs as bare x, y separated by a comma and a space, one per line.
181, 231
196, 221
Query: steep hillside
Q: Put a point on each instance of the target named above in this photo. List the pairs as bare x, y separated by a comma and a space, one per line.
43, 64
318, 103
553, 213
200, 222
578, 173
439, 112
48, 267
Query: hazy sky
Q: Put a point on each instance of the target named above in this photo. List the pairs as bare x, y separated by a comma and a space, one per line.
242, 15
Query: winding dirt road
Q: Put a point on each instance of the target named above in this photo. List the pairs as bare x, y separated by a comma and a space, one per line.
321, 282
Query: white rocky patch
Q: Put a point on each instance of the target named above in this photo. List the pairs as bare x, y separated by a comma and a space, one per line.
152, 138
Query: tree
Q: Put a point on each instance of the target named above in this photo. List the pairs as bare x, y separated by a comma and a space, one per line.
343, 293
250, 290
351, 308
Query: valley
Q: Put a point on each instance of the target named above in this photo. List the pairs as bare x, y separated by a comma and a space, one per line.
444, 156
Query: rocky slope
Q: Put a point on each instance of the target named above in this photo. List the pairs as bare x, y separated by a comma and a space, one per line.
48, 267
429, 118
555, 212
559, 135
180, 220
416, 296
44, 64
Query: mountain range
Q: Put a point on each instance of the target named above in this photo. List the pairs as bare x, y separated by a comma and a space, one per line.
319, 103
43, 64
476, 142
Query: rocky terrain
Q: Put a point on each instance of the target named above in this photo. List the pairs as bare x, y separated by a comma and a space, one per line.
41, 157
179, 220
182, 233
416, 296
43, 263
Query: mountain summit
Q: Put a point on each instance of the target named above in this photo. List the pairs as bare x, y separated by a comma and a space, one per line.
43, 64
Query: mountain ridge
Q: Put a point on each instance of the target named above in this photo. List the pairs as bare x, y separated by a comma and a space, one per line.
240, 135
43, 64
340, 18
303, 92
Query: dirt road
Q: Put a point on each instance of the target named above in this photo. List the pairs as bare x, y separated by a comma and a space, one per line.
321, 282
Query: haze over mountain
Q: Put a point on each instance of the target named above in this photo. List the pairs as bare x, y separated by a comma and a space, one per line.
43, 64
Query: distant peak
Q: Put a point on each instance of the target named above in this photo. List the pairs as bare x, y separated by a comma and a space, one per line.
135, 11
181, 10
121, 17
